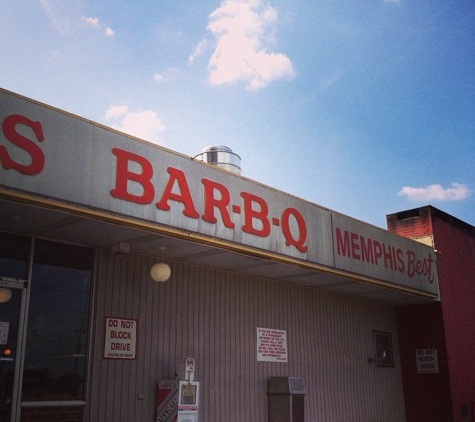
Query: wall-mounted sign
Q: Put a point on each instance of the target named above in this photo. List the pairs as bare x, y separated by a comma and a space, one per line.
52, 154
427, 361
120, 338
364, 249
271, 345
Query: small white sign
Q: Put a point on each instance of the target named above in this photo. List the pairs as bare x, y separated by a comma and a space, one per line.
271, 345
120, 338
427, 362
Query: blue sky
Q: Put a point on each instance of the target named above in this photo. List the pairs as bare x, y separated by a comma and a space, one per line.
364, 107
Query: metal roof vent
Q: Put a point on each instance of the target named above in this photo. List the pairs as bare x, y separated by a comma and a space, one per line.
222, 157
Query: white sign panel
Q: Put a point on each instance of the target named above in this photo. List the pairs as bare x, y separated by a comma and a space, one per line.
427, 361
364, 249
120, 338
49, 153
271, 345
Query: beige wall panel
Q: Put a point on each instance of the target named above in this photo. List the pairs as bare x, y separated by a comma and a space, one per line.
213, 317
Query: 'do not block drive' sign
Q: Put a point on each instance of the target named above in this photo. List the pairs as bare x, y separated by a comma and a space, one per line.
120, 338
427, 361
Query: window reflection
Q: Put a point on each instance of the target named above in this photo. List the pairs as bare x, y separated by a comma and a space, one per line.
13, 255
56, 343
9, 315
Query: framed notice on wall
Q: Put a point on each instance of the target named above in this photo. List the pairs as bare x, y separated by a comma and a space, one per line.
120, 338
427, 361
271, 345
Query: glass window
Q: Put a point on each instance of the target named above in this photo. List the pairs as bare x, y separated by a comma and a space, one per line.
9, 317
384, 349
58, 321
13, 255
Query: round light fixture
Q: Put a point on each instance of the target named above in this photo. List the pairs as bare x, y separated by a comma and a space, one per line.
5, 295
160, 272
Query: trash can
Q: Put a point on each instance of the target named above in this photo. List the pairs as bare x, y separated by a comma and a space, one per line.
286, 399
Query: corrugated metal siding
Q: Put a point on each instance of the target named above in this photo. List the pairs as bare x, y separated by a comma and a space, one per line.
213, 317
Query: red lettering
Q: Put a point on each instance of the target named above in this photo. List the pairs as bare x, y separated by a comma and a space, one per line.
388, 257
121, 335
250, 214
184, 196
400, 260
342, 243
37, 156
416, 266
211, 202
378, 251
371, 251
411, 258
428, 269
366, 250
290, 240
123, 176
355, 247
120, 346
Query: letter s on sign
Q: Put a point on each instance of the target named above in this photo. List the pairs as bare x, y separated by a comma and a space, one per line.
37, 156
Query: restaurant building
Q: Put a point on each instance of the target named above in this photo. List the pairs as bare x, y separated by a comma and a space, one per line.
129, 273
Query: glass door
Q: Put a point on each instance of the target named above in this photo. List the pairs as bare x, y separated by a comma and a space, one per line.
10, 304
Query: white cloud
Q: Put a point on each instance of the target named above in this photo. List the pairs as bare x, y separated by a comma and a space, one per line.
329, 82
169, 75
158, 77
92, 21
109, 32
64, 19
244, 30
145, 125
58, 19
115, 110
436, 192
198, 51
95, 23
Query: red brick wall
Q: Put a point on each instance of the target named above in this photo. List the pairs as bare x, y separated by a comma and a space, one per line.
427, 396
448, 326
411, 223
52, 414
456, 270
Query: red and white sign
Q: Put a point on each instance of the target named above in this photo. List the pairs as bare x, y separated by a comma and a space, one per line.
364, 249
120, 338
52, 154
271, 345
427, 361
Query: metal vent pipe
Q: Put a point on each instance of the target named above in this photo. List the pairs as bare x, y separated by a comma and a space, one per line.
222, 157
